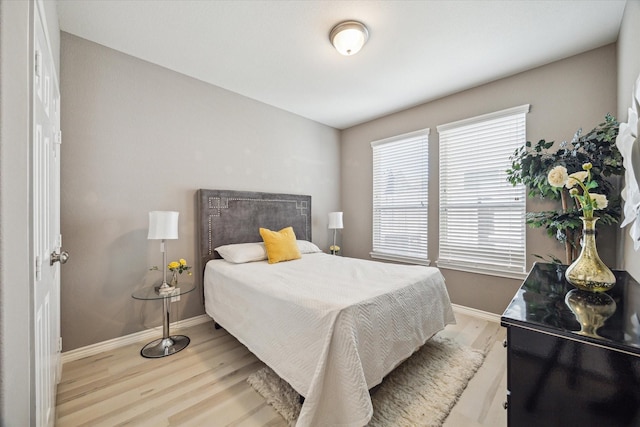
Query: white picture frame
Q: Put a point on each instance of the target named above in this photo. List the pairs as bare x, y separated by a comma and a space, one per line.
628, 142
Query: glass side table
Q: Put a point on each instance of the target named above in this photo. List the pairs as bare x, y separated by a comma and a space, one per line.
168, 344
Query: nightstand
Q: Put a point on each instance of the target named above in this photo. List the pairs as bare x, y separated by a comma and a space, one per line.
168, 344
573, 357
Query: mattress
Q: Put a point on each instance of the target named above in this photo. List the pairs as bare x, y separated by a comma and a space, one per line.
331, 326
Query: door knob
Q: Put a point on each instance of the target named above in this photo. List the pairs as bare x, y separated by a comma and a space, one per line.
62, 257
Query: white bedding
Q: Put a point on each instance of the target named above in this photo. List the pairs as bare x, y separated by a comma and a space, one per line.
331, 326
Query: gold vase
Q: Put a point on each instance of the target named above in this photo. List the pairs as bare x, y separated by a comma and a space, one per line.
588, 272
591, 310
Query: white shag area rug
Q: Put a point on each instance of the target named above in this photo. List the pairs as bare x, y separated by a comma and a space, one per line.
419, 392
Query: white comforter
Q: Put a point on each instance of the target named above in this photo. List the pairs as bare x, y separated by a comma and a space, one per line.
331, 326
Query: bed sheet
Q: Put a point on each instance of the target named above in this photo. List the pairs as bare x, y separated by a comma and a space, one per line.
331, 326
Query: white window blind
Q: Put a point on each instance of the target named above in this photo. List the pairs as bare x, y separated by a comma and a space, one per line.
482, 216
400, 180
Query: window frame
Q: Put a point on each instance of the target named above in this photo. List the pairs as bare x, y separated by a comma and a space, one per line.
465, 260
380, 250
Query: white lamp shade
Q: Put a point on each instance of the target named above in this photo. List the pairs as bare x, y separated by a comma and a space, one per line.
335, 220
163, 225
348, 37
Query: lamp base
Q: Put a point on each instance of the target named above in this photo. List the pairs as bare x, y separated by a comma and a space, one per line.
165, 288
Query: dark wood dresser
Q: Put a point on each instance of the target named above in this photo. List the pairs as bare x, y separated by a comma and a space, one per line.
573, 357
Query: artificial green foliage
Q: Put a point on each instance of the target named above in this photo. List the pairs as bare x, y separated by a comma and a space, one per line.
531, 163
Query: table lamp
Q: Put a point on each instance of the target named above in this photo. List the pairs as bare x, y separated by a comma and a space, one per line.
163, 225
335, 223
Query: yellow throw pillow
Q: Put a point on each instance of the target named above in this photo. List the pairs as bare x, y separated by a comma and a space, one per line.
280, 245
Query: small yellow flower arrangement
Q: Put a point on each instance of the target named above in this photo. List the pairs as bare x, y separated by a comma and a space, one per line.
179, 266
176, 267
334, 249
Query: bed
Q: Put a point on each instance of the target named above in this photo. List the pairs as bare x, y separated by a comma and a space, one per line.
331, 326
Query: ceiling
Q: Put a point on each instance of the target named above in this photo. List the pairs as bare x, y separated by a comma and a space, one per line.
278, 52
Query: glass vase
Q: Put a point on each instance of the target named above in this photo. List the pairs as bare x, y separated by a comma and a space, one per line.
174, 279
588, 272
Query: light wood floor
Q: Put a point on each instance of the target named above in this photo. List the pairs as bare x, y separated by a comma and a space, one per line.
204, 385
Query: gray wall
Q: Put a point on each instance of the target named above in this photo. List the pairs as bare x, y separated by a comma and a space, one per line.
564, 96
138, 137
628, 71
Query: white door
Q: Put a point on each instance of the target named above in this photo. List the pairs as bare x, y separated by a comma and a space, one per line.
47, 241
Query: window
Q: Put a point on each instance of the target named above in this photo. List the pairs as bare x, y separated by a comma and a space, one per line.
400, 178
482, 216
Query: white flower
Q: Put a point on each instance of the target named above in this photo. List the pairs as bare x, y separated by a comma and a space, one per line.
579, 176
600, 200
558, 176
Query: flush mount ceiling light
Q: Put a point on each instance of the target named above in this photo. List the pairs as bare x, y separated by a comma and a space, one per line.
348, 37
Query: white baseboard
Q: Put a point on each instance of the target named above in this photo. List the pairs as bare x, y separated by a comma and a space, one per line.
485, 315
149, 334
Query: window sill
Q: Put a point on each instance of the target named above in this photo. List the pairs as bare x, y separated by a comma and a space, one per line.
482, 270
399, 258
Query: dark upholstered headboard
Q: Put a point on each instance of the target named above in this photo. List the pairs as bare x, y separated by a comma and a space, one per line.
226, 216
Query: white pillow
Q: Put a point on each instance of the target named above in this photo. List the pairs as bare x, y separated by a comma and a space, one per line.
239, 253
306, 247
